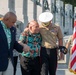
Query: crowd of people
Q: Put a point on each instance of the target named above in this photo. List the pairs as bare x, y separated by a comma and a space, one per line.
37, 45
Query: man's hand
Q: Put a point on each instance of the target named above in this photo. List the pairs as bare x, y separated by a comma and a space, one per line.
26, 48
37, 50
63, 49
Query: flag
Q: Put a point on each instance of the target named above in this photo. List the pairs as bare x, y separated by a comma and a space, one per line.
72, 65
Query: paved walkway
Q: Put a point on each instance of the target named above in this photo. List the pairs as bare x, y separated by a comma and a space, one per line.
62, 70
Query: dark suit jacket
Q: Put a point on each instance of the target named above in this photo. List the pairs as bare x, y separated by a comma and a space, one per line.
6, 53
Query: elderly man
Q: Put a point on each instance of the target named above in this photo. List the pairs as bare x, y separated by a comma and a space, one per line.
8, 43
30, 61
50, 34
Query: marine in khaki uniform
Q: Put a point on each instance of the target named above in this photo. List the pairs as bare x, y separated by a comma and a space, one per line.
50, 35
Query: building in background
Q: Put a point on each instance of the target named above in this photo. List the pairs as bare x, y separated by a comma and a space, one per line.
27, 10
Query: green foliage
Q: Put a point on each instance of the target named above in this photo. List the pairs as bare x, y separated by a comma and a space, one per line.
73, 2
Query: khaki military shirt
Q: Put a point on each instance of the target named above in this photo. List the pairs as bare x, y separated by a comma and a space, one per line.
50, 35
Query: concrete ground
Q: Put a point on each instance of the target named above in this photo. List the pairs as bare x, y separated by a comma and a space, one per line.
62, 70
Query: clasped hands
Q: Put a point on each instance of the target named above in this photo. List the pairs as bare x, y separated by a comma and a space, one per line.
26, 48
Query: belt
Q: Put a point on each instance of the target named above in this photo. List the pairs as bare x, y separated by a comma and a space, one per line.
31, 57
54, 47
51, 48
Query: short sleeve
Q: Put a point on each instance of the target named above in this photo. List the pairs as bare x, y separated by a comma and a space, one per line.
22, 38
59, 33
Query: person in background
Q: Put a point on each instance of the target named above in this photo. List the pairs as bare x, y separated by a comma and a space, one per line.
69, 44
15, 53
8, 43
50, 34
30, 61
